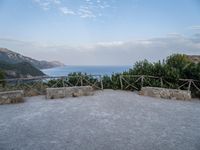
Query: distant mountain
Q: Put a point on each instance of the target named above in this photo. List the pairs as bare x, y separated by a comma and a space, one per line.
194, 58
14, 58
19, 70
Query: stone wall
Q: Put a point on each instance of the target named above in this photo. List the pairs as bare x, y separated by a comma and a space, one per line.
166, 93
55, 93
9, 97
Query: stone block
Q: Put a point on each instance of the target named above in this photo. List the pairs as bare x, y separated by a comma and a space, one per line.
76, 91
55, 93
166, 93
9, 97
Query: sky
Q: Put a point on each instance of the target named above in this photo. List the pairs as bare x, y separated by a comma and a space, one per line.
100, 32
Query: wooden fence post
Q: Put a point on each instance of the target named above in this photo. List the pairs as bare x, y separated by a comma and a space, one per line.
189, 85
101, 82
142, 81
63, 83
121, 83
18, 83
81, 80
161, 82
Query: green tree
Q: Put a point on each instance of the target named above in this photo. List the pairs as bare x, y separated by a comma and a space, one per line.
142, 68
179, 63
2, 77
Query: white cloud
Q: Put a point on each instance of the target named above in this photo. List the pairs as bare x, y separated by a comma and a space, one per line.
47, 4
44, 5
67, 11
174, 34
89, 8
110, 44
57, 1
85, 12
108, 53
195, 27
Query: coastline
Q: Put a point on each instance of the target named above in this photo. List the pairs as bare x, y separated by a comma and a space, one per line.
100, 70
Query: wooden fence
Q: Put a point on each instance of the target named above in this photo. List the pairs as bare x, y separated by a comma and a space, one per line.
127, 81
38, 85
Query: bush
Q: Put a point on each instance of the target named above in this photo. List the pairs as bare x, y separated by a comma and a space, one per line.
170, 70
2, 77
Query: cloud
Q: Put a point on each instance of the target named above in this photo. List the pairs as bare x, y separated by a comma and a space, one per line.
47, 4
195, 27
174, 34
67, 11
85, 9
93, 9
85, 12
57, 1
108, 53
110, 44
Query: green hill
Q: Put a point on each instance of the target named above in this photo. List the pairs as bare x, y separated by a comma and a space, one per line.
19, 70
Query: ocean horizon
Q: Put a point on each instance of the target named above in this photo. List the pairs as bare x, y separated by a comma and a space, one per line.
94, 70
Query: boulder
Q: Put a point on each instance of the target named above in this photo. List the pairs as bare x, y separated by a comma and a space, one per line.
9, 97
76, 91
166, 93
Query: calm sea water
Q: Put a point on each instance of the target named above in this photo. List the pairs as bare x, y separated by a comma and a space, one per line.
95, 70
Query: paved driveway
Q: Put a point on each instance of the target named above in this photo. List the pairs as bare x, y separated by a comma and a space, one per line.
109, 120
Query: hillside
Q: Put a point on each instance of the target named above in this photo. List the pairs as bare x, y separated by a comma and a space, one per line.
19, 70
14, 58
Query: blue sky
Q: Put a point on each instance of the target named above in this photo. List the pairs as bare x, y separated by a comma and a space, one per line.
100, 29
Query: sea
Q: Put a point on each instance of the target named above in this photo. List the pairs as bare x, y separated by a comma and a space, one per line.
93, 70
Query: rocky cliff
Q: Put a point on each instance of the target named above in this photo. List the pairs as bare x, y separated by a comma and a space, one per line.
14, 58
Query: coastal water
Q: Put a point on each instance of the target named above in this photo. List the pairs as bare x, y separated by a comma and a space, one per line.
94, 70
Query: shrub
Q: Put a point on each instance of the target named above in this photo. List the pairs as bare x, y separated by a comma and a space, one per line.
2, 77
170, 70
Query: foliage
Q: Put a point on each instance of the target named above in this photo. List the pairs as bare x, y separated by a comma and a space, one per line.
2, 77
172, 69
20, 69
76, 79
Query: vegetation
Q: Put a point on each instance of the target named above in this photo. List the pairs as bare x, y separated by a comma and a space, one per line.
14, 58
19, 70
2, 76
172, 69
166, 73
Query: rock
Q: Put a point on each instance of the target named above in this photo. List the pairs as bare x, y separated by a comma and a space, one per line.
76, 91
9, 97
14, 58
55, 93
166, 93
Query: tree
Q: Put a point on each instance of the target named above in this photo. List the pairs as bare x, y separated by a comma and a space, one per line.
2, 77
179, 63
142, 68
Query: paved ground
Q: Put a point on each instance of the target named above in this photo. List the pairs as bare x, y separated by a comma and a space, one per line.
110, 120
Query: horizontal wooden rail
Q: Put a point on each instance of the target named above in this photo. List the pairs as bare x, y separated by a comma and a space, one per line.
125, 81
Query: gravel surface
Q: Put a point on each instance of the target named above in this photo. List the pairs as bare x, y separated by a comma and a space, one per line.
109, 120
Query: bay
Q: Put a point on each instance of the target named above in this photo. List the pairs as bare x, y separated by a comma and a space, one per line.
94, 70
